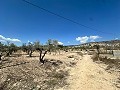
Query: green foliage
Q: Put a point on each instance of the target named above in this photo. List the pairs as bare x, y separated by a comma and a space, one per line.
37, 44
9, 48
13, 48
24, 47
52, 45
98, 48
49, 42
1, 47
31, 47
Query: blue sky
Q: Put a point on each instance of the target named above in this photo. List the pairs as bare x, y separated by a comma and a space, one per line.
19, 20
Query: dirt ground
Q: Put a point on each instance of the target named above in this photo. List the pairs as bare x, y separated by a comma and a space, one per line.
83, 73
87, 75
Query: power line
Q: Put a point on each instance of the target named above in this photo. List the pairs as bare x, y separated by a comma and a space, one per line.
66, 18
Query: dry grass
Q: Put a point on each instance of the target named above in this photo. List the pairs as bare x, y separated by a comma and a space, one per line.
113, 65
95, 57
80, 53
32, 75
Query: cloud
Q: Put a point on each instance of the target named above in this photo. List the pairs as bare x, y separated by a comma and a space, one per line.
82, 39
4, 39
60, 43
93, 38
85, 39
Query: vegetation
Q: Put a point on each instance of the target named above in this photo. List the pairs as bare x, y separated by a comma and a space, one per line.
51, 46
8, 49
49, 74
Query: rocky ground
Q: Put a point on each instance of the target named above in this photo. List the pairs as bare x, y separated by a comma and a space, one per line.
67, 71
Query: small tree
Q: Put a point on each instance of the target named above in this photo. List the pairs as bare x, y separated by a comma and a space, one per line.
0, 56
98, 50
1, 47
1, 50
55, 44
10, 48
42, 51
13, 48
31, 49
49, 45
37, 44
60, 47
24, 47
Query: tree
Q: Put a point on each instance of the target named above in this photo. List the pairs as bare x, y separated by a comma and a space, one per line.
24, 47
106, 46
13, 48
44, 52
97, 48
55, 44
31, 48
10, 48
37, 44
1, 47
49, 45
60, 47
0, 56
49, 42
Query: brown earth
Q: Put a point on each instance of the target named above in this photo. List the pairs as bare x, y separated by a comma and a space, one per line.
70, 71
87, 75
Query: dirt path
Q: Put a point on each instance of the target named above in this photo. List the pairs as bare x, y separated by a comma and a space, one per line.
87, 75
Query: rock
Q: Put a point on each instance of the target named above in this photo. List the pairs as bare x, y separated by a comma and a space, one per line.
118, 85
38, 86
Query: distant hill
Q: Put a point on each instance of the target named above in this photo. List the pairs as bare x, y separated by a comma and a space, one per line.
111, 42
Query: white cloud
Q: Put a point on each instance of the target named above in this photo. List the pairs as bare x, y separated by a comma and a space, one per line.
4, 39
85, 39
82, 39
93, 38
60, 43
116, 38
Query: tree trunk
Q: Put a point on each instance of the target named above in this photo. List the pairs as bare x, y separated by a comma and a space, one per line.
44, 55
30, 53
41, 57
0, 57
8, 54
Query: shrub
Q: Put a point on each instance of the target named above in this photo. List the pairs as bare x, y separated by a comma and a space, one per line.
95, 57
80, 53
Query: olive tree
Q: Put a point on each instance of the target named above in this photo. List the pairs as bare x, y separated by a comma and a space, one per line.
55, 44
50, 45
37, 44
31, 48
10, 48
1, 50
24, 47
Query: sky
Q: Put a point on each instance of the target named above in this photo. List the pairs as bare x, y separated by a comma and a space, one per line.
21, 22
